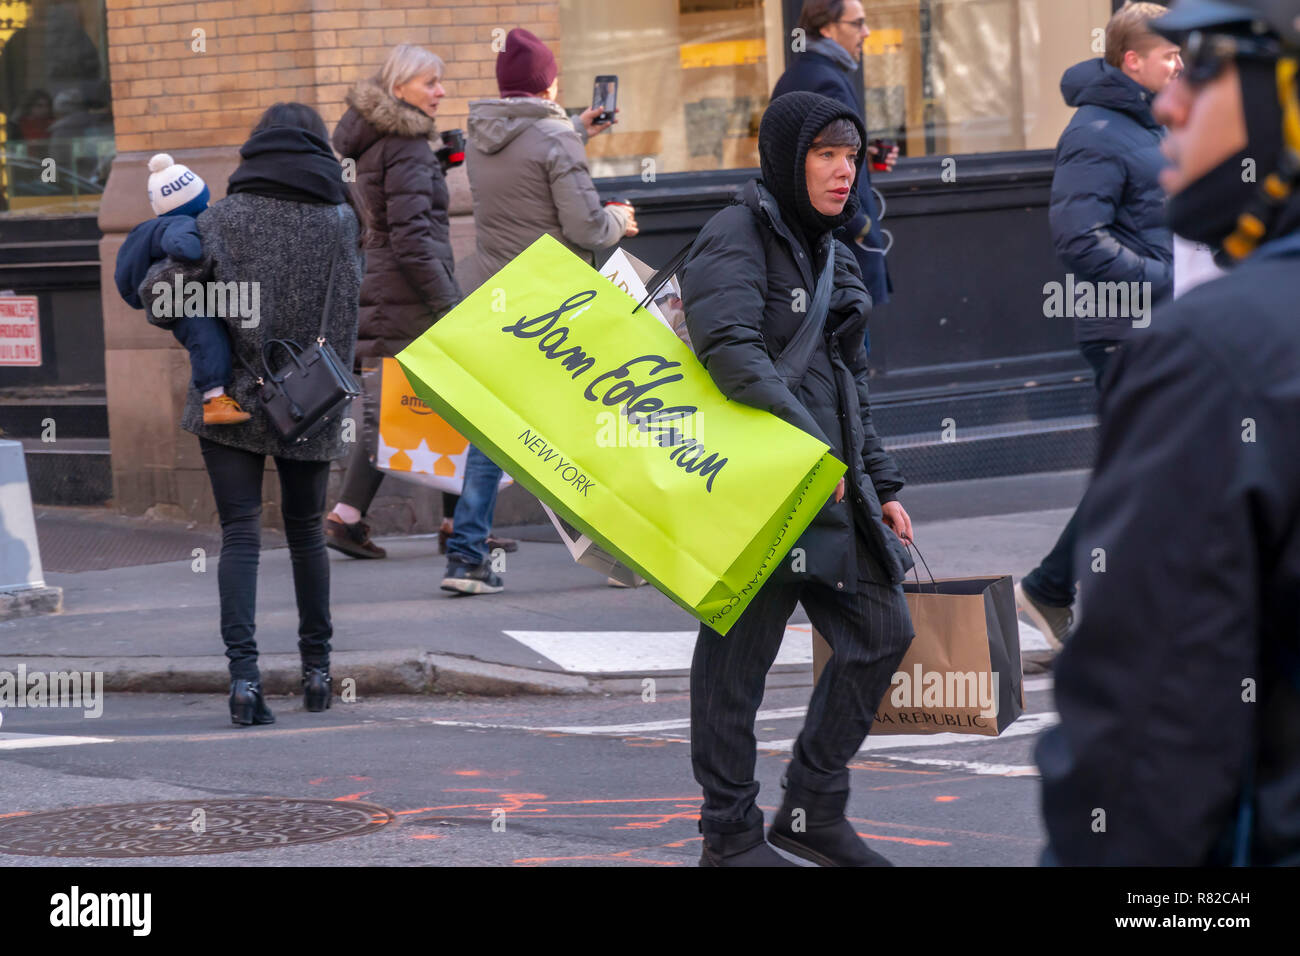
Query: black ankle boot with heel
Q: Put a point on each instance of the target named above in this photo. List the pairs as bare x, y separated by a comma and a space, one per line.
317, 687
247, 705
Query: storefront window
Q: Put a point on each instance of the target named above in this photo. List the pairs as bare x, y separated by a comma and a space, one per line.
56, 138
941, 77
944, 77
693, 79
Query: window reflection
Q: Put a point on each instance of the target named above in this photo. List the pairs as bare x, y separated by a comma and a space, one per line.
55, 98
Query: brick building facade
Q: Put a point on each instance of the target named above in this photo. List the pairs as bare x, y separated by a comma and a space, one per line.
191, 79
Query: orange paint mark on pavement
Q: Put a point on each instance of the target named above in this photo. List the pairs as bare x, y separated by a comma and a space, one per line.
428, 836
355, 777
623, 856
922, 783
354, 796
681, 843
910, 841
318, 781
16, 813
468, 773
945, 799
880, 766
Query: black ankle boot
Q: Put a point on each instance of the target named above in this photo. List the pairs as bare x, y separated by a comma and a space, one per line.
813, 827
317, 687
247, 706
740, 849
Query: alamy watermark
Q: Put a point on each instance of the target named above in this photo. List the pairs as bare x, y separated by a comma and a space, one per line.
1075, 299
83, 689
219, 300
949, 690
623, 429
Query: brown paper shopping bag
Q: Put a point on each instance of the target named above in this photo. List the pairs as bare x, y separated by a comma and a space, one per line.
962, 673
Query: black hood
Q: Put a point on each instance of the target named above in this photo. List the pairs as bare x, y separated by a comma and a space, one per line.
1097, 83
789, 126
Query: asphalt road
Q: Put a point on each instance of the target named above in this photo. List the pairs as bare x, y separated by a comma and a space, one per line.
527, 781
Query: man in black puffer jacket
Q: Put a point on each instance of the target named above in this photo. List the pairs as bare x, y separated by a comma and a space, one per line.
746, 286
1108, 226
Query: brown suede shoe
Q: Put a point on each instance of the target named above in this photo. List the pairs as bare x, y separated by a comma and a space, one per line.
351, 539
223, 410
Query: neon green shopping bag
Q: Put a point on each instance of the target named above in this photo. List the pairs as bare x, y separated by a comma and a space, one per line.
608, 418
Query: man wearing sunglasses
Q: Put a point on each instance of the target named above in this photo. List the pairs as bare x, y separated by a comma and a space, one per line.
1179, 692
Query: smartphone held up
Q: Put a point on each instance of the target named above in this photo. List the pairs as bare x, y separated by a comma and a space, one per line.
605, 97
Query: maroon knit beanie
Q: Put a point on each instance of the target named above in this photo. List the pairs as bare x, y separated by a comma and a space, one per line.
526, 66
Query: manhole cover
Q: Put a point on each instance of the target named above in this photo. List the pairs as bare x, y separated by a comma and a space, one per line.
186, 827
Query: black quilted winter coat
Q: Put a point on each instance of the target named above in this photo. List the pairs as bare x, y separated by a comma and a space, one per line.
737, 286
410, 279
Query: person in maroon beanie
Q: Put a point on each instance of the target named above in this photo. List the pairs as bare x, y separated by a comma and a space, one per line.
528, 176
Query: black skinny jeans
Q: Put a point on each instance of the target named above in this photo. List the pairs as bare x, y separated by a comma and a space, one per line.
237, 486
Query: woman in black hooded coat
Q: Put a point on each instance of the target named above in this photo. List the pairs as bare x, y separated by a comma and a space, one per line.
746, 287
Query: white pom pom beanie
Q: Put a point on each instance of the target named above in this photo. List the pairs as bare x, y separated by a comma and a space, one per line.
175, 189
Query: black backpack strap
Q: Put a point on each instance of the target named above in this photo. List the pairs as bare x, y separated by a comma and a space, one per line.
792, 364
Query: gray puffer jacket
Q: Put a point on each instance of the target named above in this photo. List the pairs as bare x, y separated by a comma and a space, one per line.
529, 177
283, 249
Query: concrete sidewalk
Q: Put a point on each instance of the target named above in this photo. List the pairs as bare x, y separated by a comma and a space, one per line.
154, 627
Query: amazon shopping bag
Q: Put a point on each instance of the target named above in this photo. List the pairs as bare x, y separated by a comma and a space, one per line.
607, 417
412, 441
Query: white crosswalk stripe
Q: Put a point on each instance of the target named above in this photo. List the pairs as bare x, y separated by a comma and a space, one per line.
30, 741
606, 652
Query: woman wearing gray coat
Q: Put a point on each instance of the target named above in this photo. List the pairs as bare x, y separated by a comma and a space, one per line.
528, 176
528, 168
288, 187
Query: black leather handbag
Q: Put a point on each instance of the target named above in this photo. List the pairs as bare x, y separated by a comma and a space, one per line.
314, 388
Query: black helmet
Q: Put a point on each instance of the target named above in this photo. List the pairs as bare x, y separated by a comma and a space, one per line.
1278, 17
1210, 31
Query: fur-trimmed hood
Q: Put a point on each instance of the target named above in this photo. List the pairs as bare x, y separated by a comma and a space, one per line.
374, 114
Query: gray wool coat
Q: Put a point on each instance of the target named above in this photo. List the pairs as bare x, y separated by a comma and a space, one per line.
283, 250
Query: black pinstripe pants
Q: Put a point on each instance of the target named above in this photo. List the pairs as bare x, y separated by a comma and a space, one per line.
869, 632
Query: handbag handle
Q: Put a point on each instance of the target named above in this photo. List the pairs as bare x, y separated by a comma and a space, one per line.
917, 574
912, 547
293, 348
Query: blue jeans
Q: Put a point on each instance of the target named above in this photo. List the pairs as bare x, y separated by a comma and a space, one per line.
473, 518
206, 340
1052, 582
